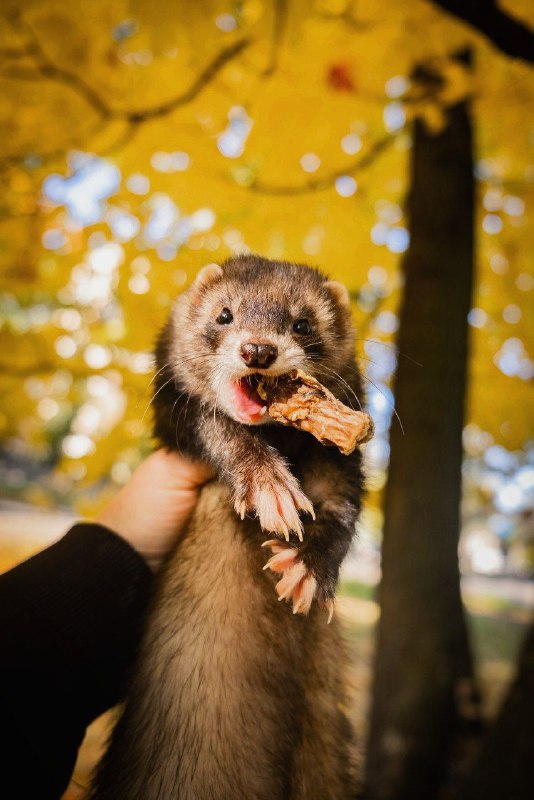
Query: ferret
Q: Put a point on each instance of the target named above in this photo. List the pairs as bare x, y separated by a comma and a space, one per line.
235, 695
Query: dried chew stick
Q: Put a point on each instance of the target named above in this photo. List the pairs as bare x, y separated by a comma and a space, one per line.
299, 400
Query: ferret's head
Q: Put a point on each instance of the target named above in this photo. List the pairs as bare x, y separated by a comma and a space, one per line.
252, 317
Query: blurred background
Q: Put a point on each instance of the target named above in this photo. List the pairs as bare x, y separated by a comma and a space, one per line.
142, 140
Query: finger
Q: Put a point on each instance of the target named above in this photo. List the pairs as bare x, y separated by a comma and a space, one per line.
187, 473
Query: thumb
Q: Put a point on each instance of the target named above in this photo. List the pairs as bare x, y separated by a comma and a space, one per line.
182, 471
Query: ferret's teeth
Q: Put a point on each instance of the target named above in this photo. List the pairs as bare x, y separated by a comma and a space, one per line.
263, 411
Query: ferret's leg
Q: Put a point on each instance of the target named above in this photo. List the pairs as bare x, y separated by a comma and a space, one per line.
310, 570
257, 474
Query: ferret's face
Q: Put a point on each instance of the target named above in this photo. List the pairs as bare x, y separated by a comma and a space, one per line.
240, 328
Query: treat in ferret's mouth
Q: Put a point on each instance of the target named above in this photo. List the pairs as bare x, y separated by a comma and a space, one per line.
301, 401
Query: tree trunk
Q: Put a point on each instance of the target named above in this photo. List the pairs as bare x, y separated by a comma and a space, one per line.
505, 770
423, 667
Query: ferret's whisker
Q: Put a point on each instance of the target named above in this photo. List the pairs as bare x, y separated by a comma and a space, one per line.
219, 379
187, 406
153, 378
369, 360
170, 367
180, 395
390, 347
390, 404
176, 364
335, 375
155, 395
196, 357
179, 417
312, 344
343, 386
322, 369
147, 387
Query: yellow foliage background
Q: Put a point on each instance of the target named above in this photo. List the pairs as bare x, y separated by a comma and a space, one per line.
279, 128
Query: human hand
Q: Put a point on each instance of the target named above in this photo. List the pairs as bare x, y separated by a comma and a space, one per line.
151, 510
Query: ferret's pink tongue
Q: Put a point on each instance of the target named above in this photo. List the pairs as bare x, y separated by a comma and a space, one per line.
247, 400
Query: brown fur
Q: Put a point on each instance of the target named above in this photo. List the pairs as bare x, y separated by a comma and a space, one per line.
243, 699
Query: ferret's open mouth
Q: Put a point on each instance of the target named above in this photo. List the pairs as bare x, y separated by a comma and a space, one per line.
249, 405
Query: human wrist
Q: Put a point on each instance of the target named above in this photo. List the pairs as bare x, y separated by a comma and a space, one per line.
121, 525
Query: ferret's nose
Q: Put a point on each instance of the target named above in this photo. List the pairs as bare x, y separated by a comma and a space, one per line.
258, 355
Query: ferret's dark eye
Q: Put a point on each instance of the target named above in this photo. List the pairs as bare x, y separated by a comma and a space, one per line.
302, 327
225, 317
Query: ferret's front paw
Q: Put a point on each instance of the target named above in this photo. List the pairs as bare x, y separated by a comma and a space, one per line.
276, 499
298, 583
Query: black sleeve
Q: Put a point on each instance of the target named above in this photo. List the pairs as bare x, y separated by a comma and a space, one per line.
70, 621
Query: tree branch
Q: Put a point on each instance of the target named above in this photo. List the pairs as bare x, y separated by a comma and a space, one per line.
325, 181
279, 25
203, 79
46, 68
508, 34
15, 159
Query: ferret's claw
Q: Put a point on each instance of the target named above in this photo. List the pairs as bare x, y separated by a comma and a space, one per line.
277, 499
303, 503
276, 511
240, 508
307, 506
298, 584
283, 527
273, 543
329, 606
283, 558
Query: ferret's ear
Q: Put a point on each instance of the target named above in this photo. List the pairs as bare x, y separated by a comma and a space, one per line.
340, 292
207, 275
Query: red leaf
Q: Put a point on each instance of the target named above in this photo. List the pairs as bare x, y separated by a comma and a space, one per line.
339, 77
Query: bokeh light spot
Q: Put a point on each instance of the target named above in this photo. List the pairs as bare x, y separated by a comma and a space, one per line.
77, 445
394, 117
65, 346
139, 284
96, 356
397, 86
226, 23
513, 206
512, 314
525, 282
310, 162
138, 184
346, 186
477, 317
351, 144
397, 240
492, 224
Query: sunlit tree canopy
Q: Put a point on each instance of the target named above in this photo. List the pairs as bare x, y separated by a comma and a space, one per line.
142, 140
